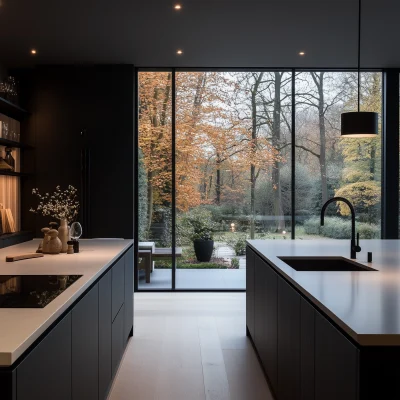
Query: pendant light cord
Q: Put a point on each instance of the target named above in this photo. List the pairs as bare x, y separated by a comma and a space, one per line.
359, 54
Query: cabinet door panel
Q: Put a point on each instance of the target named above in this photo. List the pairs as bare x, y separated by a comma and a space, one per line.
288, 342
336, 363
128, 303
85, 347
265, 325
118, 286
46, 372
250, 291
307, 343
105, 324
118, 341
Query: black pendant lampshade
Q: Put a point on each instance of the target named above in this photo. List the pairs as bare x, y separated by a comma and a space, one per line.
359, 124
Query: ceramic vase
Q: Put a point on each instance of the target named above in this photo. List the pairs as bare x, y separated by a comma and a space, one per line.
54, 245
63, 234
43, 244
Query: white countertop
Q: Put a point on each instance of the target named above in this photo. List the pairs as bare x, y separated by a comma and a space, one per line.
365, 304
20, 327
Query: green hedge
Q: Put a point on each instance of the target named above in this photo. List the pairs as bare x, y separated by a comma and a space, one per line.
204, 265
339, 228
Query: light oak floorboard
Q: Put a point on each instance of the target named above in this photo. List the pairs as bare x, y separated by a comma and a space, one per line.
190, 346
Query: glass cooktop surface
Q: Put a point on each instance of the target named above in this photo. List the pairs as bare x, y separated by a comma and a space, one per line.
32, 291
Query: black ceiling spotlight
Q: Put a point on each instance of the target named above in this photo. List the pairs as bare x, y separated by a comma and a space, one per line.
359, 123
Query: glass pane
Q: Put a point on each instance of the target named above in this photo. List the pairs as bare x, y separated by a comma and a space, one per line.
233, 173
155, 180
327, 165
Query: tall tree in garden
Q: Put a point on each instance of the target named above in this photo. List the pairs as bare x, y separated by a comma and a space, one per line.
142, 198
261, 102
361, 174
155, 136
311, 92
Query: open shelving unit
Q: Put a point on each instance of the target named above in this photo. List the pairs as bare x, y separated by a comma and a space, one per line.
12, 110
17, 113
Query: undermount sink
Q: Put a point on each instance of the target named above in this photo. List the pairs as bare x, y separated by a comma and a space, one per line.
324, 264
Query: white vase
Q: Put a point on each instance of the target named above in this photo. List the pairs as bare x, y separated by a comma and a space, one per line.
63, 233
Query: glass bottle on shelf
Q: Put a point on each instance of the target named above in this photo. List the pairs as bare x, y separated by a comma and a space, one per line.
9, 159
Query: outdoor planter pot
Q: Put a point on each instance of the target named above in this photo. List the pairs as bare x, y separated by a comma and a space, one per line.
203, 249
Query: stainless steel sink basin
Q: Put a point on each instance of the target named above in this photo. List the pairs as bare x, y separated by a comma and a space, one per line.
324, 264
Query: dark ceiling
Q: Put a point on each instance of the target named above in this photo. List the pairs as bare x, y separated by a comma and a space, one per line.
212, 33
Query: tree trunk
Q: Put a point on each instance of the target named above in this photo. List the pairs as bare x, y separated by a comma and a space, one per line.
318, 78
150, 195
276, 173
253, 176
218, 182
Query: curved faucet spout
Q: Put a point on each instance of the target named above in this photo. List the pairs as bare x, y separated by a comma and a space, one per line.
355, 248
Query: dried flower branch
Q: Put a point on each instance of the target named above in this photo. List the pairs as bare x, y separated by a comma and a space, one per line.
62, 204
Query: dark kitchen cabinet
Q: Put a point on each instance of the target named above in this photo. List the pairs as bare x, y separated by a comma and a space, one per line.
45, 373
118, 340
250, 291
336, 363
118, 286
288, 342
128, 303
265, 324
92, 109
307, 352
85, 347
105, 324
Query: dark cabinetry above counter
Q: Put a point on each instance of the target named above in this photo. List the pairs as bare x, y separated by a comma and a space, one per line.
304, 355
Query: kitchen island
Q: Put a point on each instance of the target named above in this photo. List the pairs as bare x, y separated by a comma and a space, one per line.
326, 334
72, 347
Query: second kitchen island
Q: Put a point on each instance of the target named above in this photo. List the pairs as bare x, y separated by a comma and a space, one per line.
325, 335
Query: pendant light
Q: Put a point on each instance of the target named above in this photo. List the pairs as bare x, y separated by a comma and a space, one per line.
360, 123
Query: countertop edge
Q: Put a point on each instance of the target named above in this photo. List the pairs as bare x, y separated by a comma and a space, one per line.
361, 339
7, 359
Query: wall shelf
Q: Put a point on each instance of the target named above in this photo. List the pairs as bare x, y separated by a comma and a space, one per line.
13, 144
12, 110
12, 173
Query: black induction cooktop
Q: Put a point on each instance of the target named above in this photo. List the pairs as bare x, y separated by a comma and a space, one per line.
32, 291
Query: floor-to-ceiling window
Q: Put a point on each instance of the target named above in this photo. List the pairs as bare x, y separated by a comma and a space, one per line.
155, 178
326, 164
233, 163
227, 140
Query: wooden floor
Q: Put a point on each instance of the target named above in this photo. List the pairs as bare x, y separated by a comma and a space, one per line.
190, 346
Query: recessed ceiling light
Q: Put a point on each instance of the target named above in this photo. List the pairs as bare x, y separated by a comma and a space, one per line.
179, 52
177, 7
33, 51
302, 53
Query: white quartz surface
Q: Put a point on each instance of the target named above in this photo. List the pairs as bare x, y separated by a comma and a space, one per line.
20, 327
366, 304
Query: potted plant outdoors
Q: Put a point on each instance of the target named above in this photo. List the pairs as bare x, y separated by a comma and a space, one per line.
199, 227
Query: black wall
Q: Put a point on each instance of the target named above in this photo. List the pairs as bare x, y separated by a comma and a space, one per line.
80, 110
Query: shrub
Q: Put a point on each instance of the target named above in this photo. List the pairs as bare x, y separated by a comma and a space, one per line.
235, 263
196, 224
313, 226
369, 231
193, 265
237, 242
336, 228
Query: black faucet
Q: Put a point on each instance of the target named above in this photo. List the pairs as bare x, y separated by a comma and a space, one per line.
355, 247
